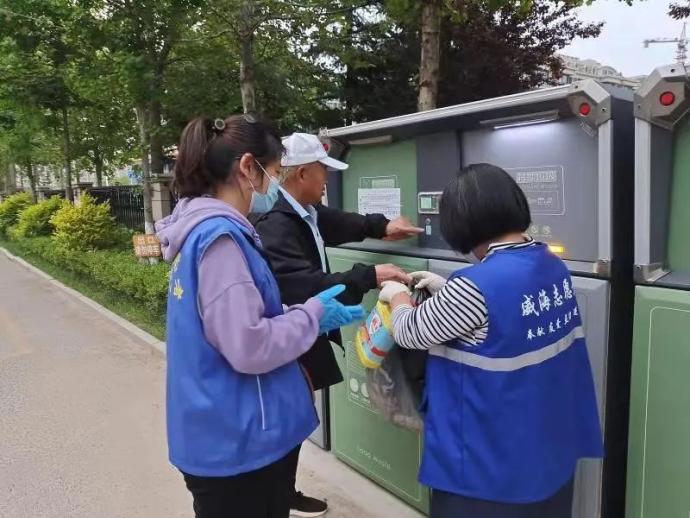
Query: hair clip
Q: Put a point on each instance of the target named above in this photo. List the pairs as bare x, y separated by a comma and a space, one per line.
218, 125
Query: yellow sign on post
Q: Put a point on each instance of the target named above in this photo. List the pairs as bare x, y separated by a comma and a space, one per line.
146, 245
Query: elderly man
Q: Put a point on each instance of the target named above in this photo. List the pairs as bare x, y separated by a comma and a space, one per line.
295, 233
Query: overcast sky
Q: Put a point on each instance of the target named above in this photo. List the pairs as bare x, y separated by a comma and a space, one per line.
620, 43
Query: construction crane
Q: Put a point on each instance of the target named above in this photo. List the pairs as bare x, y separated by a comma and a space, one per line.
681, 41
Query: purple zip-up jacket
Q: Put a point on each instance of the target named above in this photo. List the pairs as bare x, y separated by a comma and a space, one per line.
229, 303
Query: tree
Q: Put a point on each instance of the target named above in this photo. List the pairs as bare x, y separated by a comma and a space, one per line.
203, 80
28, 142
488, 53
375, 58
36, 50
679, 11
113, 76
428, 17
509, 50
139, 38
104, 139
430, 57
287, 28
241, 20
20, 146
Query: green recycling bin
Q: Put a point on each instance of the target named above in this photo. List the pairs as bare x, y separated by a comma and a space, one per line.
679, 221
659, 465
570, 149
382, 178
360, 436
658, 448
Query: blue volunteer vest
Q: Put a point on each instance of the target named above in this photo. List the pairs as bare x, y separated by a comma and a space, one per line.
221, 422
507, 420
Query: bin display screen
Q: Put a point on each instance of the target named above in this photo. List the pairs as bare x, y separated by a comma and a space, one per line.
428, 202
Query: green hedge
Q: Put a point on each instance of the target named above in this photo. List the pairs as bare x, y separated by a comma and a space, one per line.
34, 220
87, 226
11, 208
116, 270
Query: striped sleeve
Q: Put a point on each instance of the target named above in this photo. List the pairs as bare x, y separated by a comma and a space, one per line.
458, 311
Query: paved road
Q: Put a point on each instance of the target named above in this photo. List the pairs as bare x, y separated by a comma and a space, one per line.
82, 414
82, 419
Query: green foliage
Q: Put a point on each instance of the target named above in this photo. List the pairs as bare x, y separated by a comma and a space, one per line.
122, 238
35, 220
90, 82
11, 208
485, 52
119, 271
87, 226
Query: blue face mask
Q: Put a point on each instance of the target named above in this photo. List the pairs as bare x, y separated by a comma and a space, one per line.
264, 202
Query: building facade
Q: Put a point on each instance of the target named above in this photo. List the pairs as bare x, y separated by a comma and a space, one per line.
576, 69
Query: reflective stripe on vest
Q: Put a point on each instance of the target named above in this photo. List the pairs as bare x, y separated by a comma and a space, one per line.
508, 364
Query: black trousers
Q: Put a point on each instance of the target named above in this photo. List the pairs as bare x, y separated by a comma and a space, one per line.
293, 469
264, 493
448, 505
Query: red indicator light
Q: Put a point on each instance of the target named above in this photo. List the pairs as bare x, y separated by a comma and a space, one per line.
585, 109
667, 98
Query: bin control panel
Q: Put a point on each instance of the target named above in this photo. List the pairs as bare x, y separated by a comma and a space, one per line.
428, 202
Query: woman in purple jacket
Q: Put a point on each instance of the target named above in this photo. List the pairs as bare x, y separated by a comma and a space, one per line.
238, 404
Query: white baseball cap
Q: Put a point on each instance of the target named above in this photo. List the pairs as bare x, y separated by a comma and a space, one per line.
303, 148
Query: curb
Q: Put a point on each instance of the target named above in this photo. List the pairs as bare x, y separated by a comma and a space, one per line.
142, 335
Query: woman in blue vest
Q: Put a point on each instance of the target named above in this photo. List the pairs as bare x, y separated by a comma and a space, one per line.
238, 404
510, 404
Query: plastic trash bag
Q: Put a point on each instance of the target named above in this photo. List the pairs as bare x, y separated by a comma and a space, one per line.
390, 392
396, 381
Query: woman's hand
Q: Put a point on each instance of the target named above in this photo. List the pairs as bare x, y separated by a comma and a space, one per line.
335, 314
431, 281
390, 289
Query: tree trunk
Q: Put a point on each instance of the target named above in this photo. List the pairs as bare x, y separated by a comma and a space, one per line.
11, 179
247, 58
143, 117
32, 179
431, 55
98, 164
155, 139
350, 82
247, 75
67, 146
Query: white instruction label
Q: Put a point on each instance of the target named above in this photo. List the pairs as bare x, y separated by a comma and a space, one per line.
379, 201
544, 187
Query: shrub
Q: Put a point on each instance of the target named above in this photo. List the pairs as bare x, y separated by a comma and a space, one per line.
11, 208
123, 238
35, 219
87, 226
113, 270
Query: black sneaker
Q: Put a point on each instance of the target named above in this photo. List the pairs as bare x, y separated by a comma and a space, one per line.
307, 507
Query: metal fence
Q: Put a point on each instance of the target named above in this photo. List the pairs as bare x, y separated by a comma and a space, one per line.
126, 204
49, 193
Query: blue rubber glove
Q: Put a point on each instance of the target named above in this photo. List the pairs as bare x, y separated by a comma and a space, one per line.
335, 314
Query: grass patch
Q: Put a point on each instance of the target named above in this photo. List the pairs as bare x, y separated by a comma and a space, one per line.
152, 322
